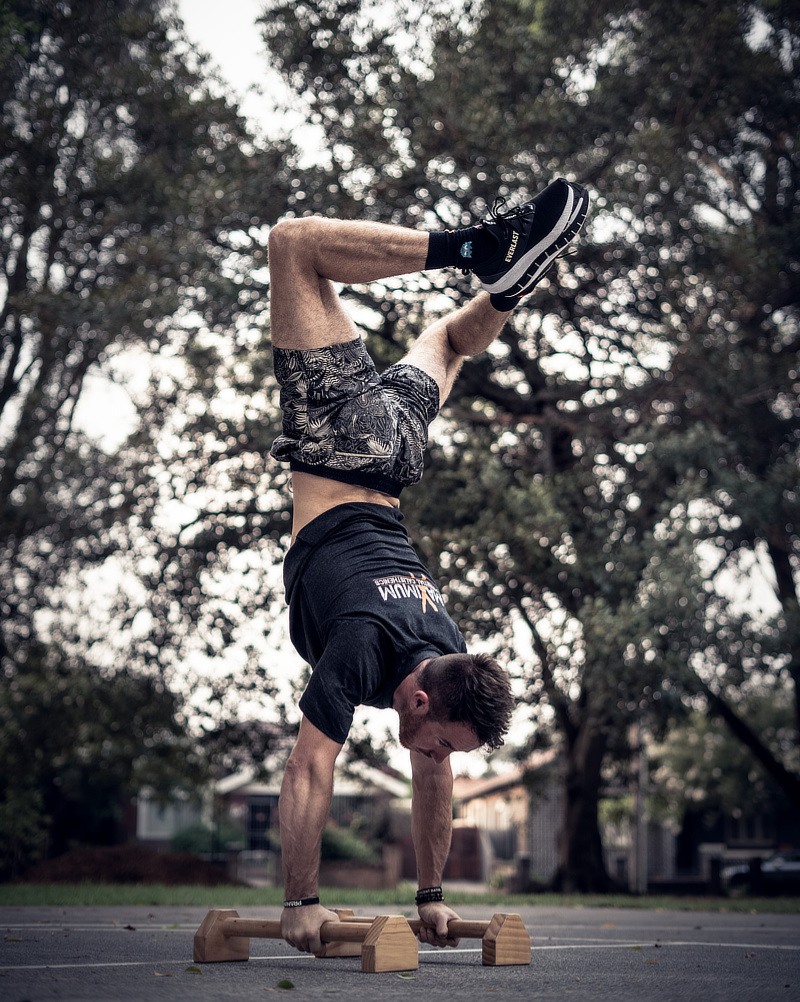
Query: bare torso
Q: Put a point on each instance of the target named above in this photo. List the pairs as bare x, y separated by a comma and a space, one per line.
315, 495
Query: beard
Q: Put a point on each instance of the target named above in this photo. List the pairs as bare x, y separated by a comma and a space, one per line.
409, 728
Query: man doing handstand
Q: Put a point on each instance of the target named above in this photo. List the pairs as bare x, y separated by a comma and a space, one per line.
364, 612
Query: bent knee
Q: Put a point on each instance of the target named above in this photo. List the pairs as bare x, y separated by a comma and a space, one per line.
286, 236
303, 232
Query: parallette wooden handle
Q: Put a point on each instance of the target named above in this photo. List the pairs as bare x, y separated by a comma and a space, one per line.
330, 932
456, 928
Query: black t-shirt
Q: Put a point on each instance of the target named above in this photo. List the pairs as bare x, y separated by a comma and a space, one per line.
363, 611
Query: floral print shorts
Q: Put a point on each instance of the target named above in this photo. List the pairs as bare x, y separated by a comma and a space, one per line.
344, 421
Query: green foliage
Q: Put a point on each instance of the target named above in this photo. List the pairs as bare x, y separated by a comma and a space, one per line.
701, 766
344, 843
615, 812
75, 747
123, 179
200, 838
23, 828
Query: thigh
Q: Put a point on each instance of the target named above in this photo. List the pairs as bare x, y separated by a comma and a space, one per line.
416, 394
305, 310
310, 318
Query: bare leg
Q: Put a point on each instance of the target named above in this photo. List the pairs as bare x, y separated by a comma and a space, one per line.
442, 347
306, 256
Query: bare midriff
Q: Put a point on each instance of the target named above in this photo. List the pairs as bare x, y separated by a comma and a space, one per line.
315, 495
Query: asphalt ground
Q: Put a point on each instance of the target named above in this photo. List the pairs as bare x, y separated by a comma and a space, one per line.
118, 954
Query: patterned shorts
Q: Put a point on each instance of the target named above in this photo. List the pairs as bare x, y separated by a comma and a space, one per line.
343, 421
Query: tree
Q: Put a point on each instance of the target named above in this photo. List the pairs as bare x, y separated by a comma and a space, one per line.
122, 181
701, 765
76, 745
622, 419
131, 201
704, 777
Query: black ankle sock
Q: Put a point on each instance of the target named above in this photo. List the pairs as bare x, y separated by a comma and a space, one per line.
459, 248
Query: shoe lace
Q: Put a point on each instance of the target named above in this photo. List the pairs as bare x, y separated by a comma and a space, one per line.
506, 219
510, 219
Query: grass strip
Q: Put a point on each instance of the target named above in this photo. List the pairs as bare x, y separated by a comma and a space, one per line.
163, 895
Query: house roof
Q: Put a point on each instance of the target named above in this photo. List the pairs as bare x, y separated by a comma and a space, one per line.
357, 778
467, 788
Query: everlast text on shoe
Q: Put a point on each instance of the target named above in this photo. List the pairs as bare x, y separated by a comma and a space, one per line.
512, 246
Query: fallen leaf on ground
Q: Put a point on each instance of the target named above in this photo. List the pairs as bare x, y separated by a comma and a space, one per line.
159, 975
285, 984
193, 969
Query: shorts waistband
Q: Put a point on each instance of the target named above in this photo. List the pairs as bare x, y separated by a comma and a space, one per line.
359, 478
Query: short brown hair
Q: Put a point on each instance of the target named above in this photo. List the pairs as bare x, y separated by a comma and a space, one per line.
471, 689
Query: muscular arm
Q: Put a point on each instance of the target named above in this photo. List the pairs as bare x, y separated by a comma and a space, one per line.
431, 816
304, 808
431, 829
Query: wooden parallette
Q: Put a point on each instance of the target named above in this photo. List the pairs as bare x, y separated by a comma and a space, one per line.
384, 943
505, 939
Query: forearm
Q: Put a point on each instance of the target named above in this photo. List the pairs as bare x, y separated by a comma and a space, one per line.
304, 809
431, 820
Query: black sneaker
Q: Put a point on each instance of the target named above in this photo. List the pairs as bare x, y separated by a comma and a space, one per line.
531, 237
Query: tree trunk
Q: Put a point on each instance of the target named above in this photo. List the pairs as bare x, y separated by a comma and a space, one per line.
581, 866
788, 781
781, 549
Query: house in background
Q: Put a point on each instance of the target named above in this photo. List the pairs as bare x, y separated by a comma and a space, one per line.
365, 799
519, 815
155, 824
361, 794
506, 829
